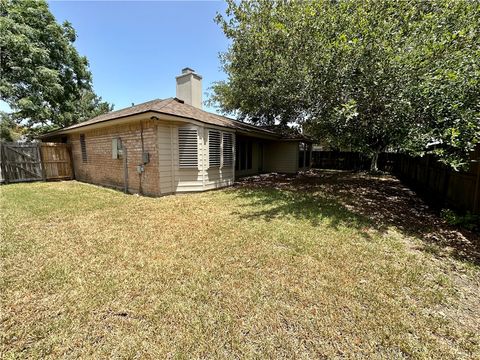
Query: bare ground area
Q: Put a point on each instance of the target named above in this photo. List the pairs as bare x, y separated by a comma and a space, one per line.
320, 265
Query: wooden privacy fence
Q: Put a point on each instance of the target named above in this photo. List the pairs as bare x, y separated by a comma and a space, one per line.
436, 182
350, 160
440, 184
20, 162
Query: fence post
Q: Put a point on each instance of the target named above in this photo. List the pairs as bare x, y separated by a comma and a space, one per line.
42, 164
70, 158
476, 198
3, 163
446, 185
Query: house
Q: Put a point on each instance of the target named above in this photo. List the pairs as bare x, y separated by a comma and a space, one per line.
172, 146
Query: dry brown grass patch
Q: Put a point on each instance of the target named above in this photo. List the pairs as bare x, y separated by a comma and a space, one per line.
253, 271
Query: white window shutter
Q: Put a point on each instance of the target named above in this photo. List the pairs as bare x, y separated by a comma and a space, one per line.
227, 149
187, 147
214, 148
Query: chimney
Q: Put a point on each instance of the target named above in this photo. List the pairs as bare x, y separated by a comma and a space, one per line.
189, 87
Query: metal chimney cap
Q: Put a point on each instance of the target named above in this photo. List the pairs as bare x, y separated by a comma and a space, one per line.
187, 70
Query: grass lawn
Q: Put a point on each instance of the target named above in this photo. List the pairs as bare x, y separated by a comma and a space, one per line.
329, 265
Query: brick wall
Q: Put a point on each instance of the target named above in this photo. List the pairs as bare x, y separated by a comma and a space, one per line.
101, 169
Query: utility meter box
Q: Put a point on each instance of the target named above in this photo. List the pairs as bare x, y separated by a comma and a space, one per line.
146, 157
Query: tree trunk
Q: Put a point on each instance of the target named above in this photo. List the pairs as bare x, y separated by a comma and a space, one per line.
374, 162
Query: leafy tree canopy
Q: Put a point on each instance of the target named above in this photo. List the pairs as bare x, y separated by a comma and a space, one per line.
9, 131
43, 78
370, 75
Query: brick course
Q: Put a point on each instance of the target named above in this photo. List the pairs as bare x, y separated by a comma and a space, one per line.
101, 169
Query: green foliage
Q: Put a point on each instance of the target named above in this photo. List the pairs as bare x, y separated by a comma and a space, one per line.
6, 126
468, 221
43, 78
9, 131
369, 75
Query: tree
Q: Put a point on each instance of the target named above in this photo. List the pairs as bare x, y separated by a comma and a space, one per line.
43, 78
262, 86
448, 95
6, 126
369, 75
9, 131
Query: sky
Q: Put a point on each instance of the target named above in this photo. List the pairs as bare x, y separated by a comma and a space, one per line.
136, 48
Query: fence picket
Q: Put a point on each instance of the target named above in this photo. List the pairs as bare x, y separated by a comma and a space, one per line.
34, 162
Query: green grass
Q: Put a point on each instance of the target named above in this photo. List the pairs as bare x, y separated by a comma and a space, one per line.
242, 272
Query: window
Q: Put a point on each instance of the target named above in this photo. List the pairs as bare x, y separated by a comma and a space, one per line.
244, 155
187, 147
237, 155
83, 146
304, 155
117, 149
249, 155
214, 147
227, 150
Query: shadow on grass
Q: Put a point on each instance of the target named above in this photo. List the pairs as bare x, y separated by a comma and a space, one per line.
360, 201
272, 203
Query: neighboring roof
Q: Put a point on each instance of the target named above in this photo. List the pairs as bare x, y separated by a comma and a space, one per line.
174, 107
287, 132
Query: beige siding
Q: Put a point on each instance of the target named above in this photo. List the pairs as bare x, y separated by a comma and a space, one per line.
282, 157
174, 179
165, 158
216, 178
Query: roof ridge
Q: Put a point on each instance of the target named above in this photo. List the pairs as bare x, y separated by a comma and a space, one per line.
122, 109
225, 118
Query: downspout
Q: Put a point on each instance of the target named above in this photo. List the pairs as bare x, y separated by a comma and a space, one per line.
125, 170
141, 157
